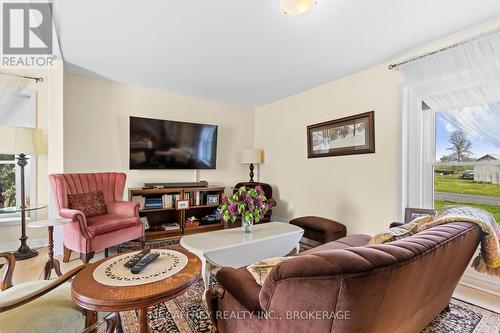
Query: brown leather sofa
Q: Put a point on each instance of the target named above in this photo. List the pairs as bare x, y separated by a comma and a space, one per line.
348, 286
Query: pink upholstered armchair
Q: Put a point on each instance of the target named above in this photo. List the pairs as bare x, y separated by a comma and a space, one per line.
87, 235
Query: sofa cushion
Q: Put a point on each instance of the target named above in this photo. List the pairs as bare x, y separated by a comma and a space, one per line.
261, 269
103, 224
90, 204
342, 243
53, 312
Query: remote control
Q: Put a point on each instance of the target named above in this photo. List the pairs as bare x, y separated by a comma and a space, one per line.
135, 259
144, 262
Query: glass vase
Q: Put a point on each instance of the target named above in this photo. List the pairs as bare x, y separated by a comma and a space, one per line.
246, 225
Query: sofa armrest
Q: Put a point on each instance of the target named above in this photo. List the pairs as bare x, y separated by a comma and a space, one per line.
77, 216
124, 208
242, 286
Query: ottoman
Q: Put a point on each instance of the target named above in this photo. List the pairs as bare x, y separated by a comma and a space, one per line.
320, 229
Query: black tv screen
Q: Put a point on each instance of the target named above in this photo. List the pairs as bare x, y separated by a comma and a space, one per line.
165, 144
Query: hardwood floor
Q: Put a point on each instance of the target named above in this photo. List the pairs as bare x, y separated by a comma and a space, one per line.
31, 269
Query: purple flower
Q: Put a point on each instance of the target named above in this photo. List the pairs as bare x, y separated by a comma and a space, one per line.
232, 209
259, 190
259, 201
223, 198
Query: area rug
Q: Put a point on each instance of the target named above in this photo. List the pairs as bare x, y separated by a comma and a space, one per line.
187, 313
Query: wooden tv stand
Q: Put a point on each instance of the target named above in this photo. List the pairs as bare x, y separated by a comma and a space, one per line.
159, 216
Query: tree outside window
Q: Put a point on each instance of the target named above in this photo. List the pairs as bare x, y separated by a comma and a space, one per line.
7, 181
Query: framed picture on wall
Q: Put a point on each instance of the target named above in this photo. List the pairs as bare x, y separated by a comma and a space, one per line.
415, 213
345, 136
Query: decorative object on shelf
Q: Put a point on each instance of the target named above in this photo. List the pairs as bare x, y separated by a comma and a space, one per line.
182, 204
297, 7
145, 221
250, 204
212, 199
414, 213
345, 136
51, 263
22, 141
251, 156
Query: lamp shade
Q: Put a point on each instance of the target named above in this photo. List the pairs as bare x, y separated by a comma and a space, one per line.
251, 156
21, 140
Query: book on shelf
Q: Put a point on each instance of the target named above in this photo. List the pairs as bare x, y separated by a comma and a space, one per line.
171, 226
153, 203
169, 200
140, 200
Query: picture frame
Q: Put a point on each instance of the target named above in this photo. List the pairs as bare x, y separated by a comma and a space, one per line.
414, 213
345, 136
212, 199
182, 204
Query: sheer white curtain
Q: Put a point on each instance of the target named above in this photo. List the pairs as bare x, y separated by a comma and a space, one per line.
10, 85
463, 82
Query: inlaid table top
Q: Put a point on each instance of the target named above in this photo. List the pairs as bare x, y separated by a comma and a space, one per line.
96, 296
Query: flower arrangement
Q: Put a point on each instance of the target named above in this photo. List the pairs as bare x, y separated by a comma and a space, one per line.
251, 204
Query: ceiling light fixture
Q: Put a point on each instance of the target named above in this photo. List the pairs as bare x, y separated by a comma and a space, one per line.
297, 7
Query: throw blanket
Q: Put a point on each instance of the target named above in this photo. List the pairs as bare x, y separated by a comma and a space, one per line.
488, 261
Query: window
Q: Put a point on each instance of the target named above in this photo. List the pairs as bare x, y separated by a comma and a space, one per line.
467, 169
18, 110
444, 165
7, 181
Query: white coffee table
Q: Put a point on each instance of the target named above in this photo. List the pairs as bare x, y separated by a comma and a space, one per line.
234, 248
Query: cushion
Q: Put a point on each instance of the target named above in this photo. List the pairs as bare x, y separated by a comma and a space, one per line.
318, 224
53, 312
261, 269
103, 224
90, 204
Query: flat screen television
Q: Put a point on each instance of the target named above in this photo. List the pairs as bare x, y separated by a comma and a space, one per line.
165, 144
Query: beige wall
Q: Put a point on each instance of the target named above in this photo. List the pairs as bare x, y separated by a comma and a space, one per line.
96, 125
361, 191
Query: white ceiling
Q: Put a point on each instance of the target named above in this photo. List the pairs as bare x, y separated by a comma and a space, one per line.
247, 52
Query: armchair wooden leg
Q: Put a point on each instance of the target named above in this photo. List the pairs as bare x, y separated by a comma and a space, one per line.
112, 321
67, 254
142, 240
86, 257
106, 252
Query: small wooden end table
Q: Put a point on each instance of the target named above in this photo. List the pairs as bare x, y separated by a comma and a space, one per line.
51, 263
94, 296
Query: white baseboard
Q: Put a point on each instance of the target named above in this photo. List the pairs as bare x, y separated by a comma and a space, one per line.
481, 281
276, 218
32, 243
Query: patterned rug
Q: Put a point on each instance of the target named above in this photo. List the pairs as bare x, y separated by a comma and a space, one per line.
187, 313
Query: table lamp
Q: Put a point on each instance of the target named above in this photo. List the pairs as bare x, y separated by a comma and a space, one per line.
22, 141
251, 156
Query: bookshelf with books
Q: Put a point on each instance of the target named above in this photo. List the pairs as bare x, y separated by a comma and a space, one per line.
162, 219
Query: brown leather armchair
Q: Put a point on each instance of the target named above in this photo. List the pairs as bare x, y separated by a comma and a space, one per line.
348, 286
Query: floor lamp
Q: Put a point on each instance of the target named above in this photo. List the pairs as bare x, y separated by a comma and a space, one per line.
22, 141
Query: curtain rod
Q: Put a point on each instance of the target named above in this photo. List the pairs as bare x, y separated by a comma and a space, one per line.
392, 66
37, 79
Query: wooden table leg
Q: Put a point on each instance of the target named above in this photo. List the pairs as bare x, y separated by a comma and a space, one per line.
143, 320
51, 263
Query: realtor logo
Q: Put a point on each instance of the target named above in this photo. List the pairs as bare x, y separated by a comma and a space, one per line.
27, 28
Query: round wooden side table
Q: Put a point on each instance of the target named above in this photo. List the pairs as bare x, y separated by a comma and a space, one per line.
95, 296
51, 263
